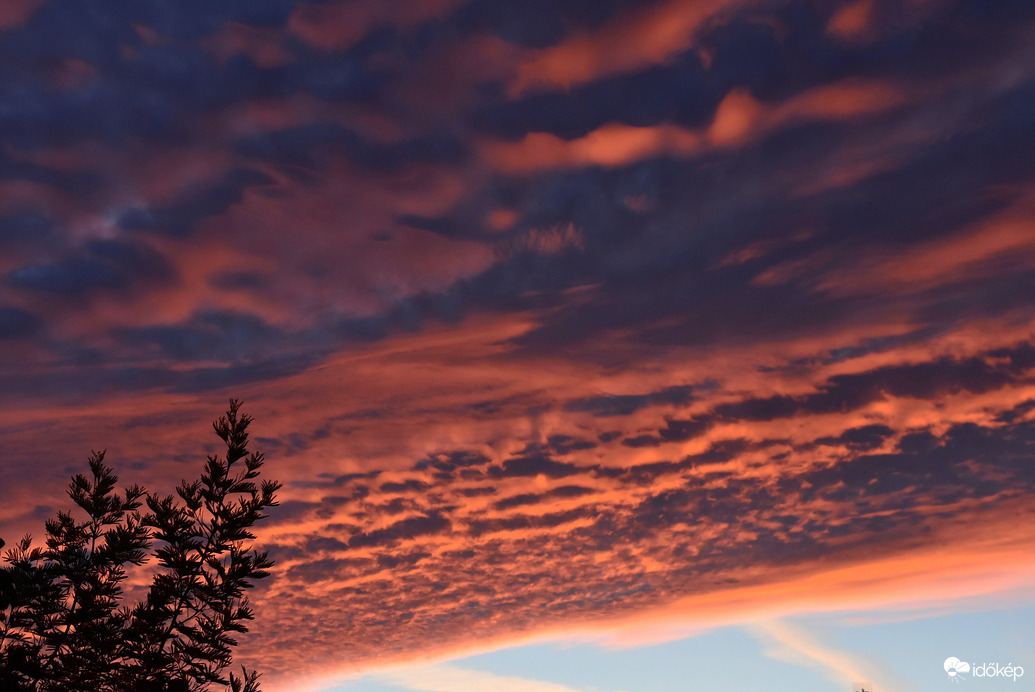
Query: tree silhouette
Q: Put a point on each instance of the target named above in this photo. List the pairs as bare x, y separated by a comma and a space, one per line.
63, 626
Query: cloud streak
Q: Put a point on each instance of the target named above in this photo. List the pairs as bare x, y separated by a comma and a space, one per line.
793, 644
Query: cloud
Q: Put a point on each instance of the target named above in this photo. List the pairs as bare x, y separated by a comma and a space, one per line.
409, 528
209, 336
738, 77
623, 404
547, 312
537, 24
15, 323
180, 217
738, 117
794, 644
850, 391
851, 21
26, 226
630, 41
335, 26
866, 437
309, 147
101, 264
533, 462
70, 277
16, 12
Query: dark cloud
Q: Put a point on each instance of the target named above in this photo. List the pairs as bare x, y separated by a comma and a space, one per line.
681, 92
25, 227
518, 501
411, 485
149, 88
239, 281
477, 492
719, 452
412, 527
607, 405
970, 460
754, 53
680, 430
667, 276
564, 444
571, 491
180, 217
532, 462
641, 441
564, 527
537, 23
878, 344
290, 510
71, 277
863, 438
16, 323
98, 374
657, 265
408, 314
917, 442
223, 336
126, 102
325, 569
286, 446
307, 148
341, 76
71, 181
93, 30
843, 393
100, 264
641, 474
774, 55
448, 461
549, 520
1016, 412
675, 430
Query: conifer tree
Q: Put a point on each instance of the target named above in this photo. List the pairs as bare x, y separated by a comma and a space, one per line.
63, 624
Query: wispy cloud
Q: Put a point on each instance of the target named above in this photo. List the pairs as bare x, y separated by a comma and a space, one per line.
794, 644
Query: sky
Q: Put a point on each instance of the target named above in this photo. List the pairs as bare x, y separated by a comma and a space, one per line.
601, 345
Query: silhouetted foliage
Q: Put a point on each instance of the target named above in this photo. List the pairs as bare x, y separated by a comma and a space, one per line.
63, 627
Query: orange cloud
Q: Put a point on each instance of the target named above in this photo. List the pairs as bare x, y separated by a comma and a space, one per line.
848, 98
631, 41
340, 24
381, 408
609, 145
738, 119
923, 577
1002, 242
851, 21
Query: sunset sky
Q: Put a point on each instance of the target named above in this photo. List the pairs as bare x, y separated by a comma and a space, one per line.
601, 345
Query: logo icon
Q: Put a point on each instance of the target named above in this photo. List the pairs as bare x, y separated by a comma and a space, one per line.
953, 666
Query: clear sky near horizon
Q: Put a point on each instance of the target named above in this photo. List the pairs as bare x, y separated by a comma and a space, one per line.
602, 344
881, 652
901, 650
